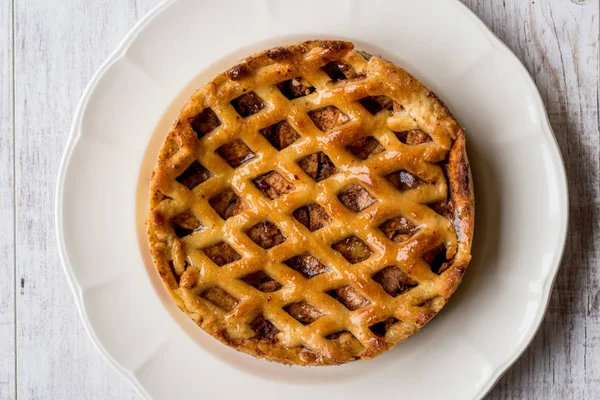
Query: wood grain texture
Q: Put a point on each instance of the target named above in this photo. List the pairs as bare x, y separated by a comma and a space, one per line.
7, 279
58, 46
558, 42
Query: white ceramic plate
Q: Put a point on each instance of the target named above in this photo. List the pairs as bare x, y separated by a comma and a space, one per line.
126, 111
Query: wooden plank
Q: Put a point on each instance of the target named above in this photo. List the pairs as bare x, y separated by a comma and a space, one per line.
558, 42
58, 47
7, 195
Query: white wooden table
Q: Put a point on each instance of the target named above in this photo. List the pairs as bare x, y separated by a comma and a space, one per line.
49, 49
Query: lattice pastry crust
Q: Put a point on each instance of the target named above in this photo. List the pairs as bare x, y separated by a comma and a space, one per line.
312, 205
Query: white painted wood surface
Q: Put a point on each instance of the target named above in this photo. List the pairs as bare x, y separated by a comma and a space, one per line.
58, 44
7, 261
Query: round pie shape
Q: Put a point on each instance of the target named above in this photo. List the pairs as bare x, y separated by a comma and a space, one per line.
312, 205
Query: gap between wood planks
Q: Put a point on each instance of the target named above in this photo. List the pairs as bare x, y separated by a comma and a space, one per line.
14, 162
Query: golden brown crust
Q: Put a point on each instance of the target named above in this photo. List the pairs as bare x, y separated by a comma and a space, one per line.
312, 205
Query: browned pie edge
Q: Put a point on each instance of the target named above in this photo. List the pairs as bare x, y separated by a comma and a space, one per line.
461, 208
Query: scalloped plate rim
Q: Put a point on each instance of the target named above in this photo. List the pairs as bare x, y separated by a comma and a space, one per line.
119, 52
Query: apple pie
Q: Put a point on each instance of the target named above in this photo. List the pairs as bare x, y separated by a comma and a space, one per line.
312, 205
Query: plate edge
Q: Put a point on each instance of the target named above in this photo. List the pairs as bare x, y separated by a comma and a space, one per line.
74, 135
549, 131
